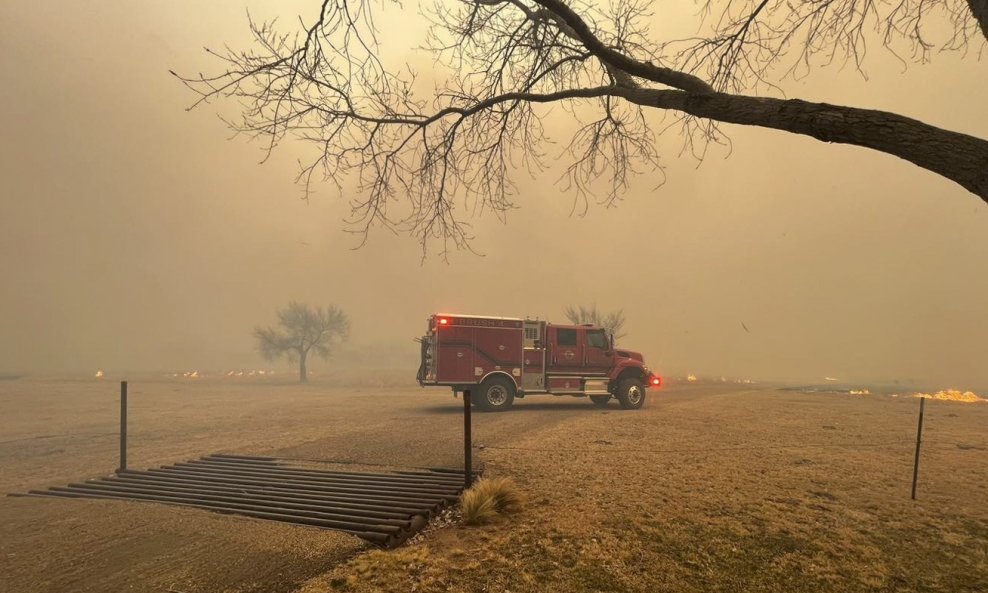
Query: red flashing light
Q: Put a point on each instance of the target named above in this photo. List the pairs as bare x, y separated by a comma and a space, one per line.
443, 321
657, 381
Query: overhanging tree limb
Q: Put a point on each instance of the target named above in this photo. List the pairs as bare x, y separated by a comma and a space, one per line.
979, 9
958, 157
460, 147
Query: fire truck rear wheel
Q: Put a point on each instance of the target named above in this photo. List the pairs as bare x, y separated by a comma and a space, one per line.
600, 400
495, 395
631, 394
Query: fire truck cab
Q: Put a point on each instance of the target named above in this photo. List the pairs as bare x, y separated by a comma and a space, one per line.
500, 358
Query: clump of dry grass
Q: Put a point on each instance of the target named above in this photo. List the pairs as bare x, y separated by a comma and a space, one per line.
488, 498
477, 509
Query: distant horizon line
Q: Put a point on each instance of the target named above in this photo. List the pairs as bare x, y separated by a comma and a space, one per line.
282, 371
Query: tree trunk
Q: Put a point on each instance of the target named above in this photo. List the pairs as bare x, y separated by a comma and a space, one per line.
303, 376
979, 9
959, 157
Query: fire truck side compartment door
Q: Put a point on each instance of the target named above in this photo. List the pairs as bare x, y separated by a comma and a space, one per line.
533, 353
456, 355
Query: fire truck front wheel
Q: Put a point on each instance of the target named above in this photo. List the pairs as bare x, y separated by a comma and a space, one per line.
631, 394
494, 395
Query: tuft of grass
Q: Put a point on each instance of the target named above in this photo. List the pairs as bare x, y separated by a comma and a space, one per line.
488, 498
507, 497
477, 509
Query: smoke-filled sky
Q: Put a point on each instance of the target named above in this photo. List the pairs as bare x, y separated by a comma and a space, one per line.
136, 235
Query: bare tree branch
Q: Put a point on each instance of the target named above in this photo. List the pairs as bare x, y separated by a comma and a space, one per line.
425, 162
612, 322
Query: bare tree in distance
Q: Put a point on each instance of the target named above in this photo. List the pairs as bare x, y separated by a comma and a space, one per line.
613, 322
428, 155
302, 330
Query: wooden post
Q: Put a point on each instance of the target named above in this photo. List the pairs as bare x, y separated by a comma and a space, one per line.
123, 426
467, 442
919, 439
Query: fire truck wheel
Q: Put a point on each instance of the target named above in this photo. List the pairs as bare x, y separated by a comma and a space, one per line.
495, 395
600, 400
631, 394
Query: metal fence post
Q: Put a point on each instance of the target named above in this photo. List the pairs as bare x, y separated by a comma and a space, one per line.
919, 438
467, 442
123, 426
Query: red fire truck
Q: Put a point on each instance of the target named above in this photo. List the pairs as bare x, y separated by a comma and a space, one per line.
501, 358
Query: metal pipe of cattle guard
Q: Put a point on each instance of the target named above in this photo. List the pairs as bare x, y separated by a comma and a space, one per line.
467, 442
123, 426
382, 534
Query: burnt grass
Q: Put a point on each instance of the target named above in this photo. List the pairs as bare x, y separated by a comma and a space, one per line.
659, 555
723, 493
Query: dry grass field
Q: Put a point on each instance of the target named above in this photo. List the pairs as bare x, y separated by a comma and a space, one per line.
711, 487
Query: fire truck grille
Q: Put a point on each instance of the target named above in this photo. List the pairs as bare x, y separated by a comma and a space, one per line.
382, 508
